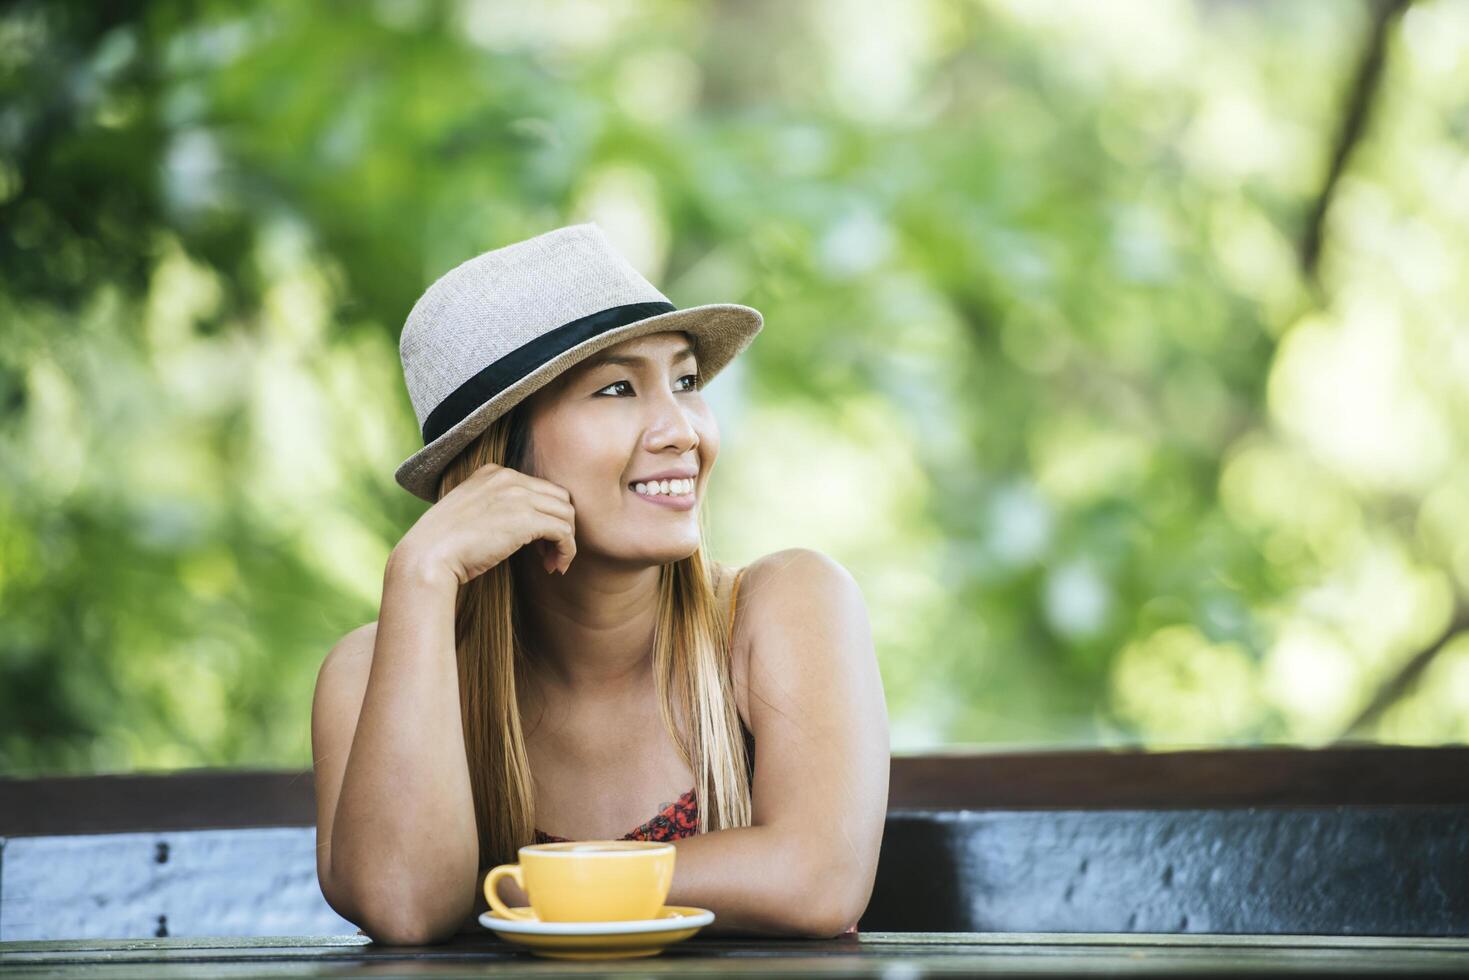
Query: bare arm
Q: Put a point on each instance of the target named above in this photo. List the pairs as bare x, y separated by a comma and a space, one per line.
753, 879
395, 806
397, 841
807, 865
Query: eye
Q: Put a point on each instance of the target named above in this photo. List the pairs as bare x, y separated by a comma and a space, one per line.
614, 385
694, 387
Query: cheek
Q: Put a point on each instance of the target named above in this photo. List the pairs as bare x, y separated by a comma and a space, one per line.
586, 457
707, 429
708, 448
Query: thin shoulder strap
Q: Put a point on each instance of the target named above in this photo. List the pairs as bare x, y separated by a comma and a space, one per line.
733, 598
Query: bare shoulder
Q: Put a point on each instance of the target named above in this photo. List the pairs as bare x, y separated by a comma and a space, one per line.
342, 676
791, 577
365, 633
354, 646
782, 595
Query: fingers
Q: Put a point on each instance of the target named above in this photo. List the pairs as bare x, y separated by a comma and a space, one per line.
558, 530
552, 500
560, 542
532, 482
563, 528
547, 487
557, 508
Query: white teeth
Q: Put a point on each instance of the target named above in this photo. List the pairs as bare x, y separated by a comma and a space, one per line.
674, 487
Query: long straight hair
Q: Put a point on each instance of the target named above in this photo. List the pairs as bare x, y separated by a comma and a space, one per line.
691, 670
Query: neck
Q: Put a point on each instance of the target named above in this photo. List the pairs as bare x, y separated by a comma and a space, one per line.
590, 632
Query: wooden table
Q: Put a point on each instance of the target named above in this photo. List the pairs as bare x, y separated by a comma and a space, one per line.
891, 955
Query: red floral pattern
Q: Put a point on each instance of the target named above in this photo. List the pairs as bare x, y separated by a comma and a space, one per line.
675, 821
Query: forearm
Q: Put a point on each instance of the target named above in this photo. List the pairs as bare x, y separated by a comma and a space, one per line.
404, 832
759, 881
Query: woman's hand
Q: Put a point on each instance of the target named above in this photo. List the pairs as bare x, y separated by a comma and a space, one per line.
494, 513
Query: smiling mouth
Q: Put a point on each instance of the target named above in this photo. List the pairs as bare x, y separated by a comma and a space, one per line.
682, 493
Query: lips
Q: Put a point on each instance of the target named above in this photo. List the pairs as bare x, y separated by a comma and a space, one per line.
634, 488
680, 501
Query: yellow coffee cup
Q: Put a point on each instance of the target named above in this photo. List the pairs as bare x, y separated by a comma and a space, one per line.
588, 880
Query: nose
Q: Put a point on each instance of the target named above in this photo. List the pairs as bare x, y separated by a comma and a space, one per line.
671, 423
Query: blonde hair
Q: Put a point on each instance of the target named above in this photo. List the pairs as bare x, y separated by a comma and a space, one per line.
691, 669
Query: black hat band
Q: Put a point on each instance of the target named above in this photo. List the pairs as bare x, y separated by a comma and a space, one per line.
503, 373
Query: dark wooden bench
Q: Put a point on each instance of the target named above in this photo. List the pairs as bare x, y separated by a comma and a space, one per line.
1342, 841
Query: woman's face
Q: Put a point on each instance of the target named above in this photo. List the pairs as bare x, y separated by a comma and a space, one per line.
605, 425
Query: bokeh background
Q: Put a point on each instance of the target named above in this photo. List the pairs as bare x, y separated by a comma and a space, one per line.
1119, 350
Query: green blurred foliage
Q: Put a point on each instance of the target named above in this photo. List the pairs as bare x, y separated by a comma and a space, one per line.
1042, 364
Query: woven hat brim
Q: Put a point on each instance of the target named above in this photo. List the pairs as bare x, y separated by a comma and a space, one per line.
721, 331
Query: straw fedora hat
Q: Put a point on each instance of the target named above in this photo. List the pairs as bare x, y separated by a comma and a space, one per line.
498, 327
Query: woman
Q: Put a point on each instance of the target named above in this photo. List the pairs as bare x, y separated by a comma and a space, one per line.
554, 657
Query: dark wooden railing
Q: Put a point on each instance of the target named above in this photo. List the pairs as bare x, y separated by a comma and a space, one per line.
1345, 840
197, 799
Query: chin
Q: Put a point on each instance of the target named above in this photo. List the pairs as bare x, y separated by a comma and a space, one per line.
671, 555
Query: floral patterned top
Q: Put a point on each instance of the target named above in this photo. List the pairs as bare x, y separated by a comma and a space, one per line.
676, 820
680, 818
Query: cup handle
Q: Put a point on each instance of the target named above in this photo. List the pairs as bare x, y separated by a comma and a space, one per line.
492, 879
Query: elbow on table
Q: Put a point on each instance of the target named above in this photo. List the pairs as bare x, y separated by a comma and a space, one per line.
826, 912
405, 934
826, 925
397, 929
827, 928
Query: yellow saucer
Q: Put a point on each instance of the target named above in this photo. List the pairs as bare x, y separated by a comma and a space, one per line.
600, 940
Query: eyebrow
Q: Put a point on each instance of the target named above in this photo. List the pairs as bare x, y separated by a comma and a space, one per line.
629, 360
